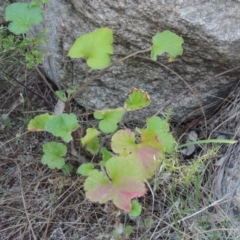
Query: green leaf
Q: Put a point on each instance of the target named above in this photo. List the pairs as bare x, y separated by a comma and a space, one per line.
67, 169
39, 122
61, 95
106, 155
138, 99
93, 146
96, 47
123, 142
85, 169
111, 117
53, 153
169, 42
22, 16
167, 140
126, 183
62, 126
157, 124
136, 209
91, 134
159, 127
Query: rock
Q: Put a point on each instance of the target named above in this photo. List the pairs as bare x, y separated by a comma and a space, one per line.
212, 45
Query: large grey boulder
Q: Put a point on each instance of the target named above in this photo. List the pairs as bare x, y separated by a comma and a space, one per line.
212, 45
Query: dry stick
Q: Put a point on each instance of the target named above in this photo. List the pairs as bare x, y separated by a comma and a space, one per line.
21, 225
24, 202
45, 80
13, 139
205, 208
21, 211
29, 89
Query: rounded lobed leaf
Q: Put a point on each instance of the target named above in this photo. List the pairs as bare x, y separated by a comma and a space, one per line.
62, 126
96, 47
136, 209
126, 183
38, 123
91, 134
22, 16
85, 169
53, 153
93, 146
168, 42
157, 124
138, 99
110, 119
123, 142
158, 130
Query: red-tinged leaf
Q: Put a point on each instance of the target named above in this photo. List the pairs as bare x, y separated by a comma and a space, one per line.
129, 189
150, 138
148, 159
97, 187
126, 183
143, 154
158, 128
123, 142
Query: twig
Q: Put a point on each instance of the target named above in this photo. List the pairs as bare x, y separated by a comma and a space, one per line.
29, 89
204, 209
45, 80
